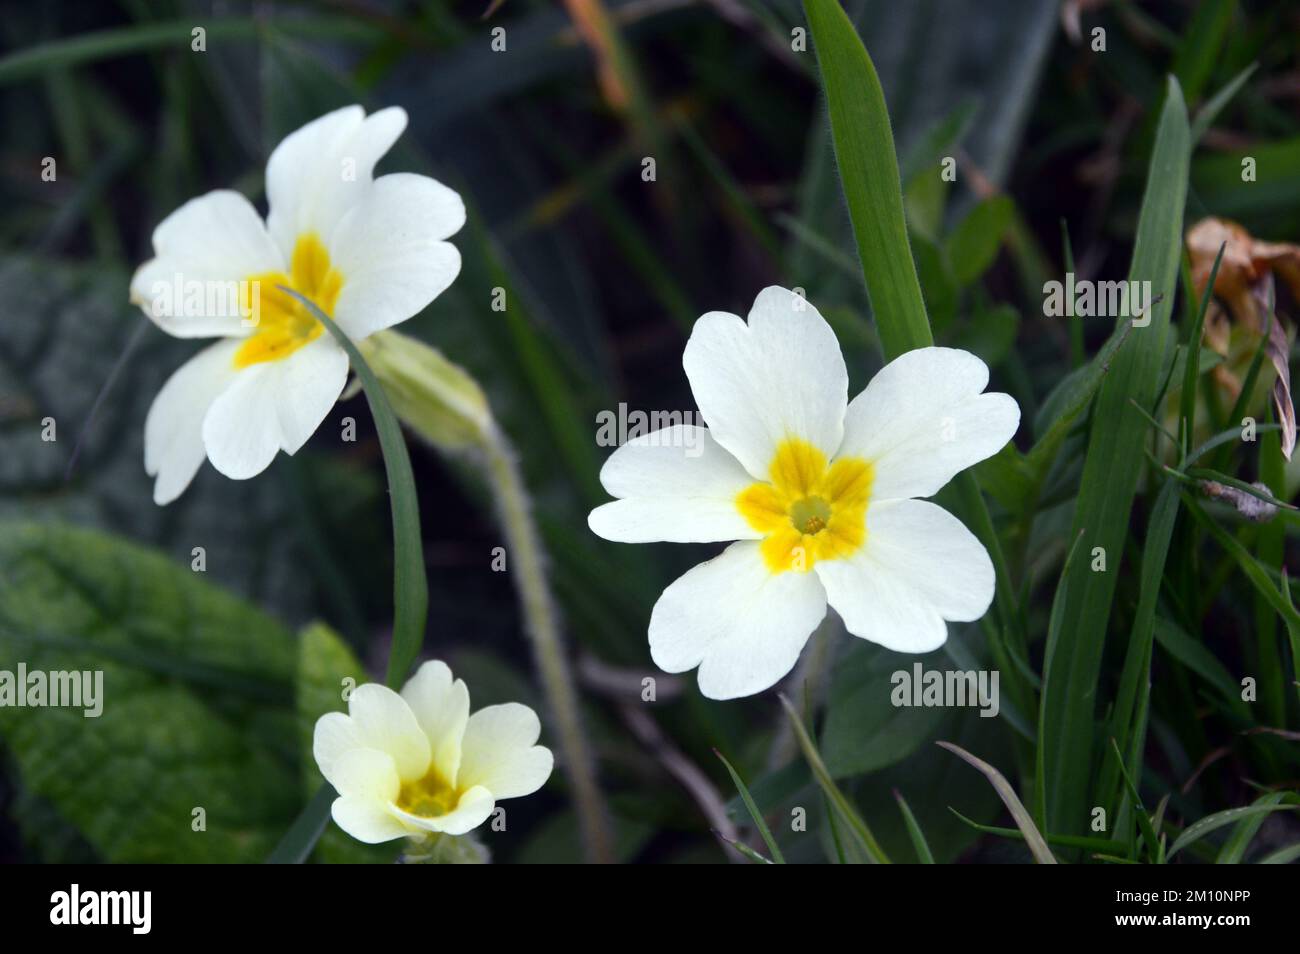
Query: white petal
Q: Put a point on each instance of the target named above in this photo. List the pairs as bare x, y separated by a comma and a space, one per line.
741, 624
367, 782
918, 567
780, 376
365, 773
241, 431
273, 406
173, 428
441, 707
325, 168
923, 419
473, 809
335, 735
391, 254
367, 820
311, 380
500, 752
385, 722
679, 485
209, 244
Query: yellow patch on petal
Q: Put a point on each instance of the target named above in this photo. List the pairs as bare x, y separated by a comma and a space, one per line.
428, 797
283, 324
809, 511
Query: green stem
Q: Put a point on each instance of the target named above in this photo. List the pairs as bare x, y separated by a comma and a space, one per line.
542, 625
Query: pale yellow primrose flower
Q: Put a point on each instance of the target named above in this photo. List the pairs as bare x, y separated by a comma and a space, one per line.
411, 764
817, 490
369, 252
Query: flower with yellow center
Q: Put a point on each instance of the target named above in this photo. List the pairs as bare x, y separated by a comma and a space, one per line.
818, 491
415, 763
369, 252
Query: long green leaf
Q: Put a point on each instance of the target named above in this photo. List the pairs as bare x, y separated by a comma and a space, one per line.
1234, 849
1198, 830
754, 813
1033, 838
1112, 466
861, 833
1137, 659
1065, 841
923, 852
303, 834
1191, 370
864, 152
175, 36
868, 167
1143, 819
410, 586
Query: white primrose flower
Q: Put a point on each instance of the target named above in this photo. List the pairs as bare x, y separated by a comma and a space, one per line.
369, 252
411, 764
818, 491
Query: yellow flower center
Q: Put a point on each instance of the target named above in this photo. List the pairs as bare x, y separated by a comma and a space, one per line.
428, 797
284, 324
810, 510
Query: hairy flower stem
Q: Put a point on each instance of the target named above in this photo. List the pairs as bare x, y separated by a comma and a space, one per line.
527, 566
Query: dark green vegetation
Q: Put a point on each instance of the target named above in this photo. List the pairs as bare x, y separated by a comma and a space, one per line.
1121, 689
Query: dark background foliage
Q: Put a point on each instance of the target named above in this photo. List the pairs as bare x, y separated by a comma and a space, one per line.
604, 273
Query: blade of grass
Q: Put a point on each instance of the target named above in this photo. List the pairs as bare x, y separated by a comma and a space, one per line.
1112, 466
1283, 856
1234, 849
857, 826
868, 166
1137, 659
410, 586
1065, 841
306, 830
1053, 634
864, 153
923, 853
175, 35
1192, 368
1198, 830
743, 849
1214, 105
1037, 846
754, 813
1143, 819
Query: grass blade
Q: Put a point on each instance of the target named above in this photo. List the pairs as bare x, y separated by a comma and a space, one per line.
868, 165
1143, 819
410, 587
1037, 846
1198, 830
1214, 105
1112, 466
1192, 368
306, 830
754, 813
1234, 850
1105, 845
743, 849
923, 853
866, 840
1137, 659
